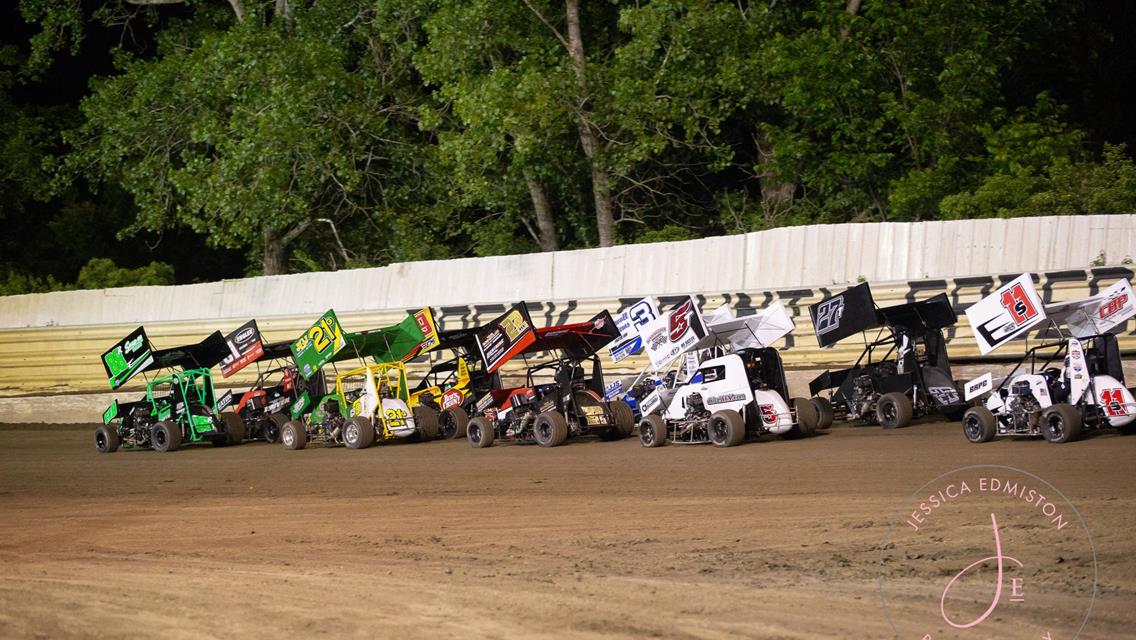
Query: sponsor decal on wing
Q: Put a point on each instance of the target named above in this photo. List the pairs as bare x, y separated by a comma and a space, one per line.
1005, 314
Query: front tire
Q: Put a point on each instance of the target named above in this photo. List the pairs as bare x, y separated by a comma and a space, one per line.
273, 426
825, 415
652, 432
426, 422
165, 436
479, 432
453, 423
894, 410
106, 439
979, 425
550, 429
358, 433
726, 428
234, 427
622, 419
1061, 423
807, 417
293, 435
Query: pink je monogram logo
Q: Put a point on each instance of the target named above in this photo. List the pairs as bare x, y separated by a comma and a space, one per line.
1015, 583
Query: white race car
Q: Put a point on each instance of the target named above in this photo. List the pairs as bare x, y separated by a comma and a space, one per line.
1069, 384
739, 390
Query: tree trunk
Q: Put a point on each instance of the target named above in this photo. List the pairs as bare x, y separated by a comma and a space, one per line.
776, 196
852, 8
601, 180
272, 262
546, 226
238, 9
237, 5
284, 11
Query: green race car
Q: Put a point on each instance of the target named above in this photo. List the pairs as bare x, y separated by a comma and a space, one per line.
179, 407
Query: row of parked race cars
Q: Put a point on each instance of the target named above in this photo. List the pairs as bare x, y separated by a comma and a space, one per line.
712, 378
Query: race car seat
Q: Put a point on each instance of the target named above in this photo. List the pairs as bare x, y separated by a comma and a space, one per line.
1103, 357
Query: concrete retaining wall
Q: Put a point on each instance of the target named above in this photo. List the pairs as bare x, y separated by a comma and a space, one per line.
50, 343
790, 257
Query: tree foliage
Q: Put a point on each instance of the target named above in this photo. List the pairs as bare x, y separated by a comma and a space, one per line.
320, 135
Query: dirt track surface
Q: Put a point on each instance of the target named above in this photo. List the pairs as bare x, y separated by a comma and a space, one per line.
774, 539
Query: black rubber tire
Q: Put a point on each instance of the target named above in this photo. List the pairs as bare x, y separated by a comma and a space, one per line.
358, 433
894, 410
1061, 423
453, 422
106, 438
165, 436
652, 431
270, 431
807, 417
234, 427
825, 415
293, 435
979, 425
726, 428
426, 422
623, 421
480, 433
550, 429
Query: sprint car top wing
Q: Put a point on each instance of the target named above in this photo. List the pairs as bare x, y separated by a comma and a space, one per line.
855, 311
759, 330
935, 312
127, 358
843, 315
318, 345
578, 340
277, 350
245, 347
202, 355
458, 339
505, 336
1106, 312
408, 339
134, 354
1013, 309
629, 322
675, 332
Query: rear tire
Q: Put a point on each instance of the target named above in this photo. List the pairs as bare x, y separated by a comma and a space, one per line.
894, 410
358, 433
623, 421
979, 425
426, 422
106, 438
807, 417
726, 428
652, 431
550, 429
1061, 423
234, 427
165, 436
479, 432
825, 415
272, 427
293, 435
453, 423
